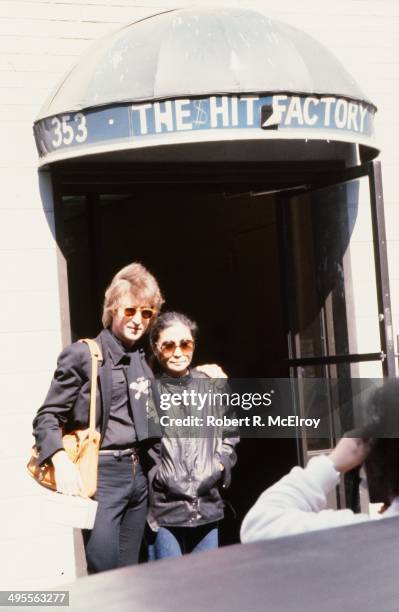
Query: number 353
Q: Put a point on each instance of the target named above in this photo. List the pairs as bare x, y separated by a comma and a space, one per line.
66, 131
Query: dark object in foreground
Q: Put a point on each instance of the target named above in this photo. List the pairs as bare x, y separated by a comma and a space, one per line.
347, 568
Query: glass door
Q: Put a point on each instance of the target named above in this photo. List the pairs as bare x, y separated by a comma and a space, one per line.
337, 299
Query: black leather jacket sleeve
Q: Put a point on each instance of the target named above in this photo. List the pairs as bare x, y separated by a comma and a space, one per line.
228, 459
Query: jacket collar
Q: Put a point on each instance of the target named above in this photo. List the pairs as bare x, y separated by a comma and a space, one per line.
118, 353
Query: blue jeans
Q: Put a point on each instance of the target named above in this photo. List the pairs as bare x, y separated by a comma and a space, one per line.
170, 542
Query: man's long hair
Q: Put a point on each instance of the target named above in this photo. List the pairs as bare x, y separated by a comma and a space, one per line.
138, 281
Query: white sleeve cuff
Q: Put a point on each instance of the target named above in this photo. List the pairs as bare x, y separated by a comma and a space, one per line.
323, 470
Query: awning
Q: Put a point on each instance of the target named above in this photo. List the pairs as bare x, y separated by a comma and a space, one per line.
203, 75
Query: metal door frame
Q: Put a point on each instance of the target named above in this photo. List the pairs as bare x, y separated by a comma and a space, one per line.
387, 353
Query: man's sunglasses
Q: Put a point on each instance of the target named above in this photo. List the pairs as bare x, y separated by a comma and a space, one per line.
168, 348
146, 312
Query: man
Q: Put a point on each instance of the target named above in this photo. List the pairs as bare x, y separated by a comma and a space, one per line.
297, 502
131, 303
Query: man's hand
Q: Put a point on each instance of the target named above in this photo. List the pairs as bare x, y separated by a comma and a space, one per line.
67, 476
348, 454
212, 370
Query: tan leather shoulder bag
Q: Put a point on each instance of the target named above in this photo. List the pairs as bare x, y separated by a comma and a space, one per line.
82, 446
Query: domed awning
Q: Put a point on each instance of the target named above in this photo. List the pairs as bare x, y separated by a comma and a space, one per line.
202, 75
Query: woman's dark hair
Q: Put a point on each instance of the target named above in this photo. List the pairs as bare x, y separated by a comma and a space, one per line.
382, 465
167, 319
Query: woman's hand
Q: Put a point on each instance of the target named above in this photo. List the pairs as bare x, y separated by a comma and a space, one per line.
348, 454
212, 370
67, 476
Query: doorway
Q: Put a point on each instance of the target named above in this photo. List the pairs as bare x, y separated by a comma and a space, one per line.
247, 264
210, 251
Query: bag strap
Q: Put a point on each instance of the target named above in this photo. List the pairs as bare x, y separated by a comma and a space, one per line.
96, 356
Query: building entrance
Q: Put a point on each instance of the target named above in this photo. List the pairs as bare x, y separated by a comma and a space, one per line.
217, 257
265, 272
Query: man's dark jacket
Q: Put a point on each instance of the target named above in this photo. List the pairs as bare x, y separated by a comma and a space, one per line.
66, 406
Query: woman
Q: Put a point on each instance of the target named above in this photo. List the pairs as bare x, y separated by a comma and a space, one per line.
185, 501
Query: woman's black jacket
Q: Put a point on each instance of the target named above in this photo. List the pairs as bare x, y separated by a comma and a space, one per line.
185, 487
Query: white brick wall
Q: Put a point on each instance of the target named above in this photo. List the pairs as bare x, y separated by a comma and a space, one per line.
38, 43
39, 40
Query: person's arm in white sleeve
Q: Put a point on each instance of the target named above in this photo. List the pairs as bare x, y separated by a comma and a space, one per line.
296, 503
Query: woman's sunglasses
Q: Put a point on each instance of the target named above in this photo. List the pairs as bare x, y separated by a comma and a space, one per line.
168, 348
146, 312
